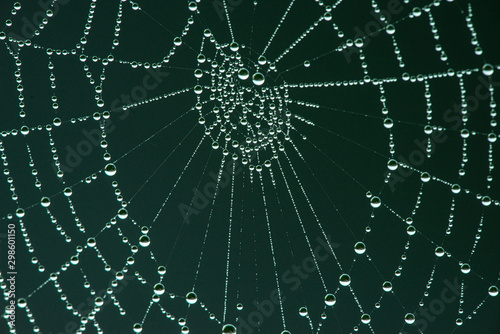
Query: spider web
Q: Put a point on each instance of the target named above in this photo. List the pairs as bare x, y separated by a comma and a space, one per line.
249, 167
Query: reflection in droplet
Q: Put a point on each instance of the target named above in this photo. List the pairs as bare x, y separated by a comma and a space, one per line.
375, 202
243, 74
409, 318
45, 202
360, 247
387, 286
228, 329
258, 79
191, 298
330, 300
110, 169
439, 251
345, 279
159, 289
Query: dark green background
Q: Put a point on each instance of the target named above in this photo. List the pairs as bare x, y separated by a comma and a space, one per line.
343, 157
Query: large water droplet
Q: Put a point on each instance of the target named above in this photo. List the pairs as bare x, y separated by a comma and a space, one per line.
144, 241
360, 247
193, 6
409, 318
110, 169
330, 300
191, 298
137, 328
243, 74
392, 164
159, 289
425, 177
488, 69
465, 268
375, 202
493, 291
303, 311
439, 251
20, 213
45, 202
258, 79
387, 286
122, 213
228, 329
345, 279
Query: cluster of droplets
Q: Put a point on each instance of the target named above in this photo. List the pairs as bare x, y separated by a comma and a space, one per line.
244, 117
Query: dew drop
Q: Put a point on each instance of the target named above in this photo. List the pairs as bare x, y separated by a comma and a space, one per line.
228, 329
122, 213
45, 202
392, 164
243, 74
486, 200
409, 318
345, 279
258, 79
303, 311
159, 289
387, 286
193, 6
465, 268
492, 137
137, 328
375, 202
439, 251
144, 241
488, 69
20, 213
455, 189
110, 169
91, 242
234, 46
191, 298
330, 300
360, 247
425, 177
388, 123
98, 301
411, 230
68, 192
21, 302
